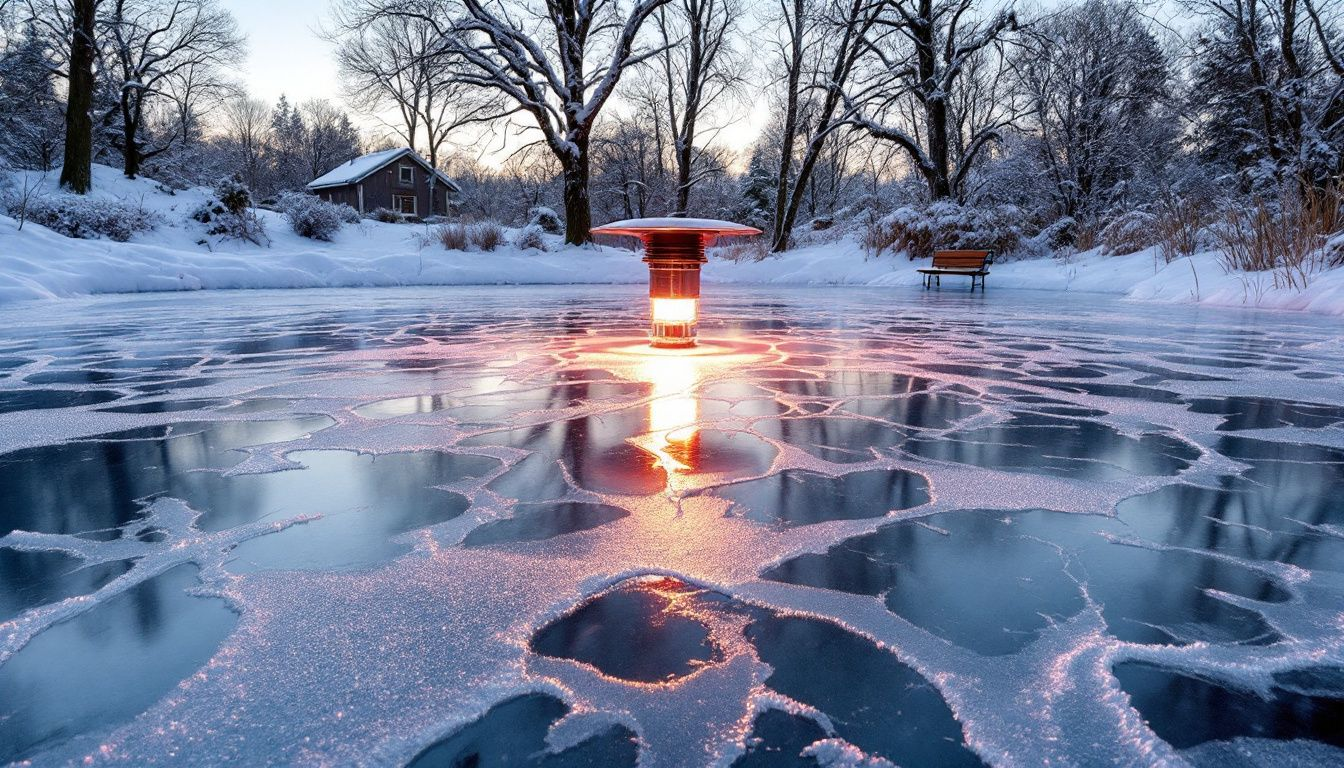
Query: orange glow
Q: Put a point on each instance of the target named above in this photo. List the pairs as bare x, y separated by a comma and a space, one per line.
674, 310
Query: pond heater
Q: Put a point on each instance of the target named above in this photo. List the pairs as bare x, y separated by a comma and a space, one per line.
674, 249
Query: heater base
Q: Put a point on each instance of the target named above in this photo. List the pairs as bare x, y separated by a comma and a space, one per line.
672, 343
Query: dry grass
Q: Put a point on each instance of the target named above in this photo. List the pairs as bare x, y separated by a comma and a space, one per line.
755, 248
1179, 223
486, 235
453, 237
1285, 237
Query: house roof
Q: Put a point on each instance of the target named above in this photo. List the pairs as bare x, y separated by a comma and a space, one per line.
361, 168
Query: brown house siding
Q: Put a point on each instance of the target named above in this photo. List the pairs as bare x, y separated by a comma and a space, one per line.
381, 185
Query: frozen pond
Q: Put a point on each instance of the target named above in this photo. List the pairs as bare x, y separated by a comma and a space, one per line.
491, 527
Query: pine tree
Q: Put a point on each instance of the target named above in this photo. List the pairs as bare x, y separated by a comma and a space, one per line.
30, 112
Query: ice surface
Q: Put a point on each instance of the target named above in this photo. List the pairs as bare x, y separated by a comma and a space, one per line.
854, 526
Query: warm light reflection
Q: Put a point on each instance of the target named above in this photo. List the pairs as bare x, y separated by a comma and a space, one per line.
674, 410
673, 310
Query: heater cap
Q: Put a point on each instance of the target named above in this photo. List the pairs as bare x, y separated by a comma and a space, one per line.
671, 225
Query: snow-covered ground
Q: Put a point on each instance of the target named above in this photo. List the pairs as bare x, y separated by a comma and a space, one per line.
177, 255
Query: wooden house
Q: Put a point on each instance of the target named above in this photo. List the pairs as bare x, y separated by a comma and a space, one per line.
397, 179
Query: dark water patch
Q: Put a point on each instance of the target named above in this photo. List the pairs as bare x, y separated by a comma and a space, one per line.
1207, 362
800, 497
876, 703
973, 371
1315, 375
593, 448
1055, 371
1126, 391
151, 364
991, 580
30, 579
1243, 519
1058, 446
167, 387
364, 502
838, 439
920, 410
166, 406
1242, 413
105, 666
512, 734
536, 522
14, 400
1186, 711
778, 739
406, 406
93, 485
644, 631
74, 376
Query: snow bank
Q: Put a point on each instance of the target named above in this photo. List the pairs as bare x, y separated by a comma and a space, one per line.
177, 255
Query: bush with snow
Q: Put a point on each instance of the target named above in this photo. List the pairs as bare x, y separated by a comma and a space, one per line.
546, 219
947, 225
229, 213
386, 216
84, 217
313, 217
530, 237
1129, 232
453, 237
486, 235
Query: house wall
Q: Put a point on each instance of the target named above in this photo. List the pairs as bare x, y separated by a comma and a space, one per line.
381, 185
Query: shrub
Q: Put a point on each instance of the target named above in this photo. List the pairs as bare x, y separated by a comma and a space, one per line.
946, 225
529, 237
486, 235
86, 218
1129, 232
386, 216
233, 194
1060, 235
312, 217
546, 219
453, 237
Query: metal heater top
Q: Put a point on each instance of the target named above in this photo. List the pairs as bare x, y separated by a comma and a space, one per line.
670, 225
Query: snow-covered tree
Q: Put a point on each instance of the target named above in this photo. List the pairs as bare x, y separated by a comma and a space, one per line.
329, 138
394, 69
1269, 89
1095, 82
930, 86
167, 55
31, 114
556, 62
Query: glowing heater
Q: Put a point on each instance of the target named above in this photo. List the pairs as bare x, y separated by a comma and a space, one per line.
674, 249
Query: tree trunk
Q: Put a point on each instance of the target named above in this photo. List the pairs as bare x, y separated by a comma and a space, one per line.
578, 211
77, 170
940, 184
130, 152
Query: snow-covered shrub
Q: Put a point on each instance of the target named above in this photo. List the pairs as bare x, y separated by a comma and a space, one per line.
386, 216
546, 219
486, 235
946, 225
87, 218
313, 217
529, 237
453, 237
233, 194
1060, 235
1129, 232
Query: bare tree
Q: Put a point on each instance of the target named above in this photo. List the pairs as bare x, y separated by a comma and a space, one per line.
246, 129
79, 36
824, 44
697, 69
558, 63
1094, 78
922, 52
164, 49
397, 64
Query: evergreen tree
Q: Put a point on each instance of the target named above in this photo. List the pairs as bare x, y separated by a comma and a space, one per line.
30, 112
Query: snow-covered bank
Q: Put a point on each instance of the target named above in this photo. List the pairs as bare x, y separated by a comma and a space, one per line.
1199, 279
177, 254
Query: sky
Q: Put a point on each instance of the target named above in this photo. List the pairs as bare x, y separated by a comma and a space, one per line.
287, 55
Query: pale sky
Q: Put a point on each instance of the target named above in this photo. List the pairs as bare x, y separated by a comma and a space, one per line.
284, 53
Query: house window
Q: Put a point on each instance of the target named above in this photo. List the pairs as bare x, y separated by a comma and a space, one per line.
404, 204
406, 174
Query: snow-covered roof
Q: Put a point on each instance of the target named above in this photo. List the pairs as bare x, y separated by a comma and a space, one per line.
362, 167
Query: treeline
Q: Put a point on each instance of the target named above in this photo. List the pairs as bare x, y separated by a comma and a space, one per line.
1073, 116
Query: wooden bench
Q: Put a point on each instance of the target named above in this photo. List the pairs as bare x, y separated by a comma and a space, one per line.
972, 264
